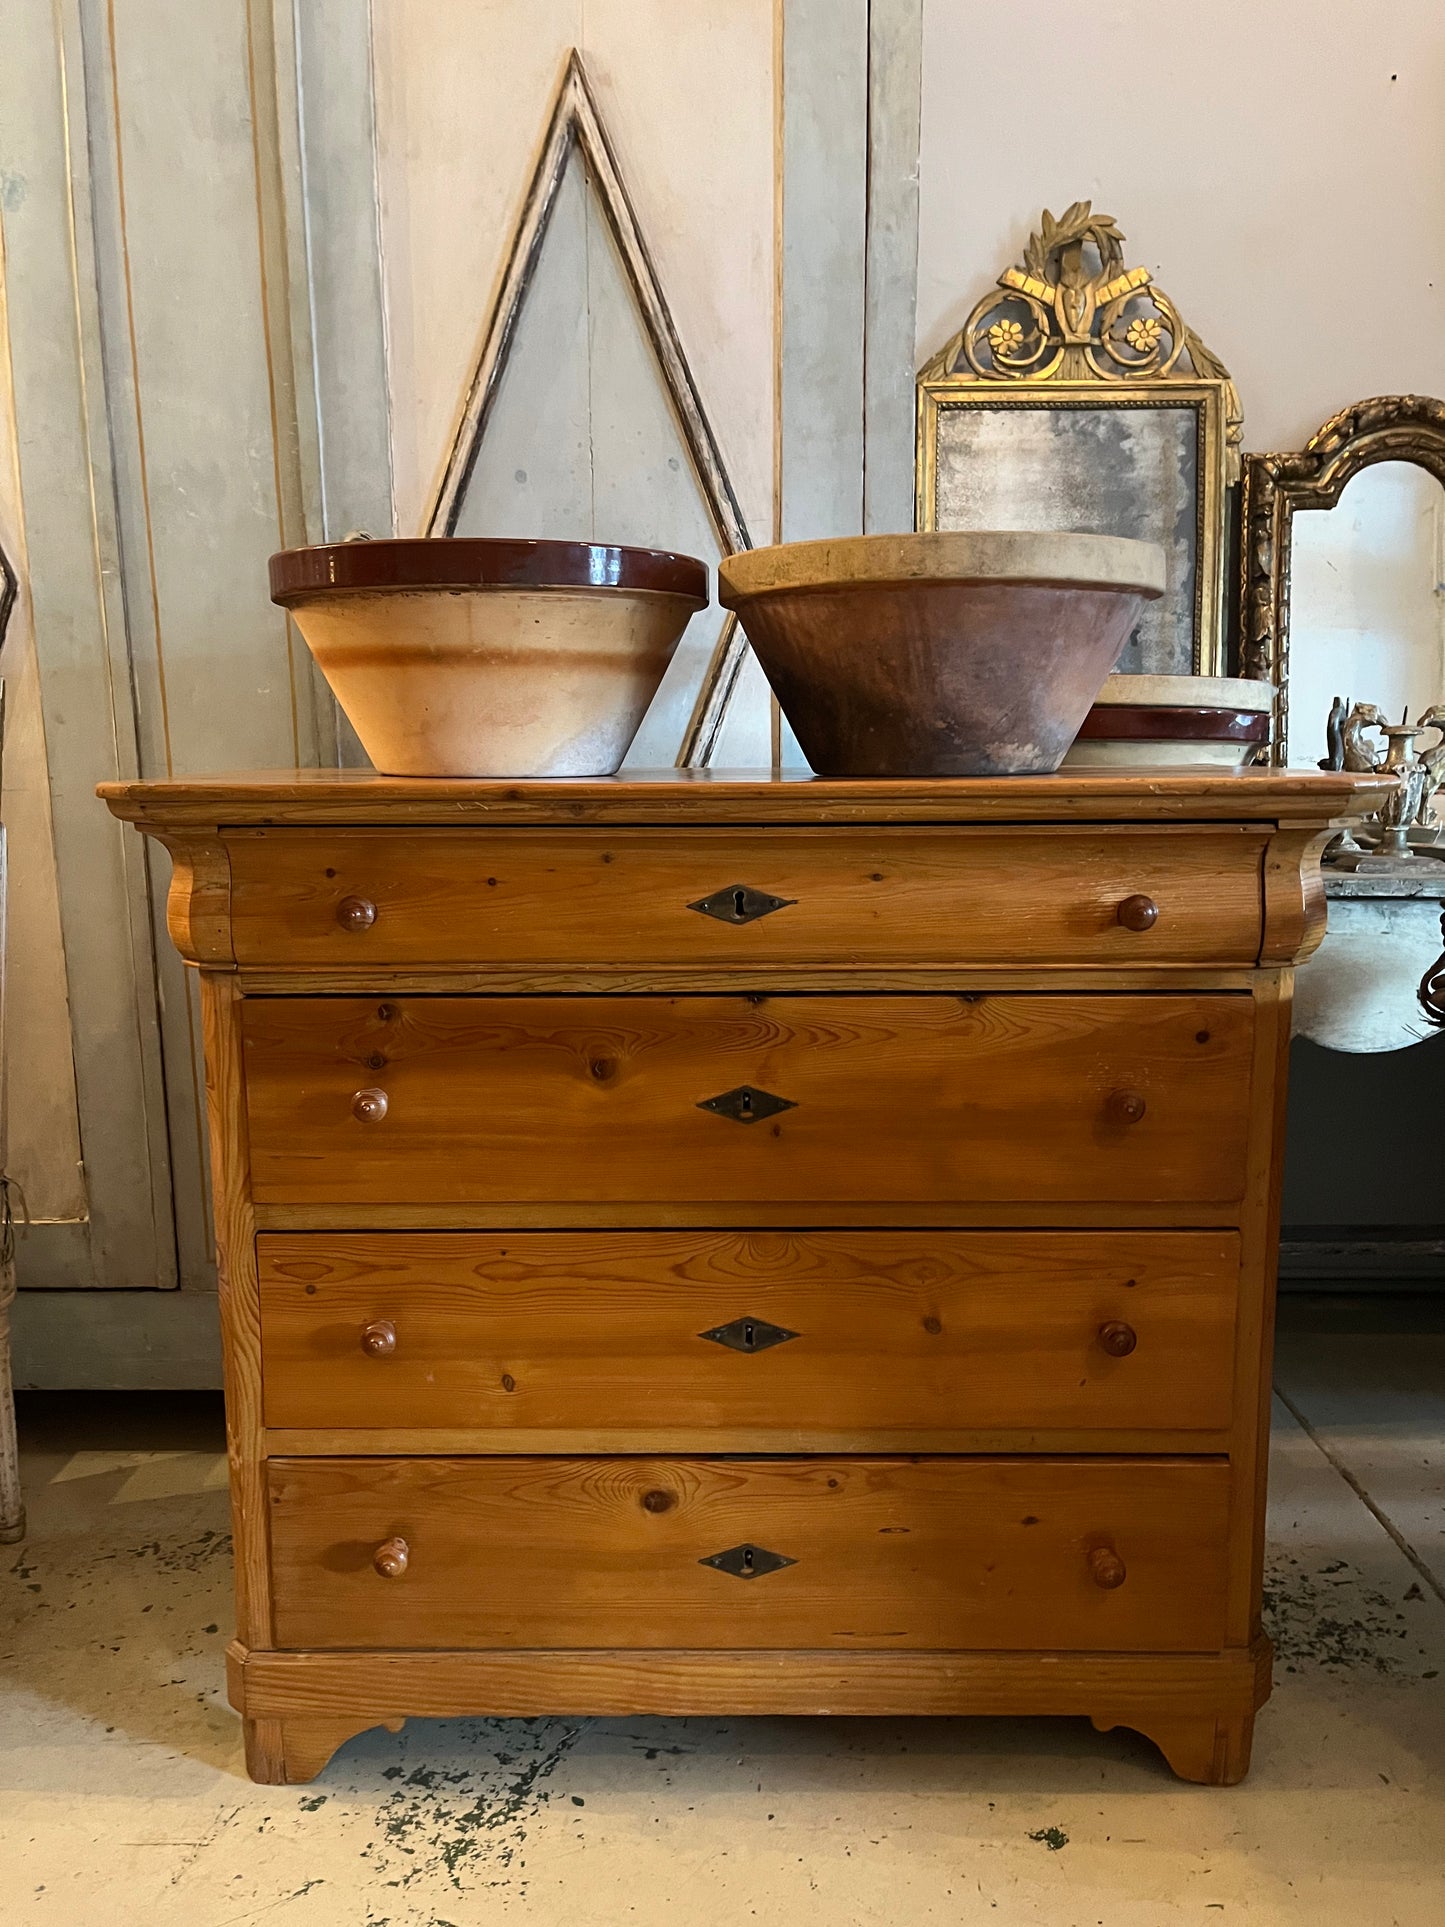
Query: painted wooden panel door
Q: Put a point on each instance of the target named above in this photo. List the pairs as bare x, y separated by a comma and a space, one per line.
156, 465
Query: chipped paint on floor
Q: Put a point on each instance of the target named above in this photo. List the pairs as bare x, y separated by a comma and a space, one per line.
123, 1799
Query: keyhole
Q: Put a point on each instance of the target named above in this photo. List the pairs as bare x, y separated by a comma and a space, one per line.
748, 1560
749, 1336
746, 1104
739, 904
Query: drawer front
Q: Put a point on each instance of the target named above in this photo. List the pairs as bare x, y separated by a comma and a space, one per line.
679, 1101
1090, 1555
347, 899
805, 1333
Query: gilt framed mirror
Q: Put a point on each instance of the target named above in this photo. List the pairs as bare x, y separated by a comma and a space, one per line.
1076, 397
1342, 584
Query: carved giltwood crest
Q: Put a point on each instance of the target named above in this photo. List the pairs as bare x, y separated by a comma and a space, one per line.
1069, 333
1070, 310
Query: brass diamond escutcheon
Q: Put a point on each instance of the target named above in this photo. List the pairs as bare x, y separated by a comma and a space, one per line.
747, 1104
748, 1335
748, 1562
740, 903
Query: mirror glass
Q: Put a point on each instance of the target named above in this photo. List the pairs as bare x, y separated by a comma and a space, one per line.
1366, 603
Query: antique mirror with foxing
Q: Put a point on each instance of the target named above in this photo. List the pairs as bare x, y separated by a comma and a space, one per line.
1343, 565
1343, 609
1075, 396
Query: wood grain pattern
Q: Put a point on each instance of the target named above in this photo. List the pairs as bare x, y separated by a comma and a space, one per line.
914, 1332
852, 896
909, 1099
1254, 1334
505, 1509
292, 1751
720, 796
240, 1302
1179, 1700
198, 901
890, 1553
456, 1441
590, 980
524, 1682
1209, 1748
791, 1214
1295, 909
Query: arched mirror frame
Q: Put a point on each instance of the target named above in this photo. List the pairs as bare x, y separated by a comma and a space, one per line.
1387, 428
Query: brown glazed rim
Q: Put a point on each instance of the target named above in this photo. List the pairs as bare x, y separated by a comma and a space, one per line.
1163, 725
477, 562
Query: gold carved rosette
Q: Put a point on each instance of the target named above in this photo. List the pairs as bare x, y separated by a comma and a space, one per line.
1071, 311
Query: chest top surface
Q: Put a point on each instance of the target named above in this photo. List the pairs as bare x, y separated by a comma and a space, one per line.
337, 797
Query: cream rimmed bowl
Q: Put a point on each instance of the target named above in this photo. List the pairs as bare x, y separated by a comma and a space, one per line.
457, 656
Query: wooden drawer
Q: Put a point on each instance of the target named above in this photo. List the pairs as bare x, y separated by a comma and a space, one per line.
616, 1334
604, 1100
865, 895
933, 1552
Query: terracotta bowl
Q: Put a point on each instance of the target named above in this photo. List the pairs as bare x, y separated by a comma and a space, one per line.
470, 657
1220, 722
940, 654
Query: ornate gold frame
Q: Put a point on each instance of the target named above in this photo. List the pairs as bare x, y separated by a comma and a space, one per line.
1058, 331
1387, 428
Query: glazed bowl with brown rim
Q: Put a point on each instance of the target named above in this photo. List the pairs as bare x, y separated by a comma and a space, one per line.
468, 656
940, 654
1218, 722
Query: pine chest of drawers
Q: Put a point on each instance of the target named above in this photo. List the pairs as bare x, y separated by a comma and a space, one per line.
703, 1245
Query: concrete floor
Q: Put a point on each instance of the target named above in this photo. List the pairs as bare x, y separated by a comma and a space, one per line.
122, 1801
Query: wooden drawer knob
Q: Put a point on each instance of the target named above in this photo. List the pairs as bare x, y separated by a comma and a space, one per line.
1117, 1338
378, 1339
369, 1106
391, 1558
1138, 913
359, 913
1106, 1568
1124, 1107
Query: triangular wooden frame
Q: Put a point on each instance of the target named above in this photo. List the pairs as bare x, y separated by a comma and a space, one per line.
9, 590
575, 121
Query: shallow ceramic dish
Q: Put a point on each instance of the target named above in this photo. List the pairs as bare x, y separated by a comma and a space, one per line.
940, 654
1222, 722
469, 657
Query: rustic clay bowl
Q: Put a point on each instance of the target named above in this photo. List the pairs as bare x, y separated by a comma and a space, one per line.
1221, 722
470, 657
940, 654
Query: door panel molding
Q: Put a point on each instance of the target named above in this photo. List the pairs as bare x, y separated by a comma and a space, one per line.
327, 154
73, 548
